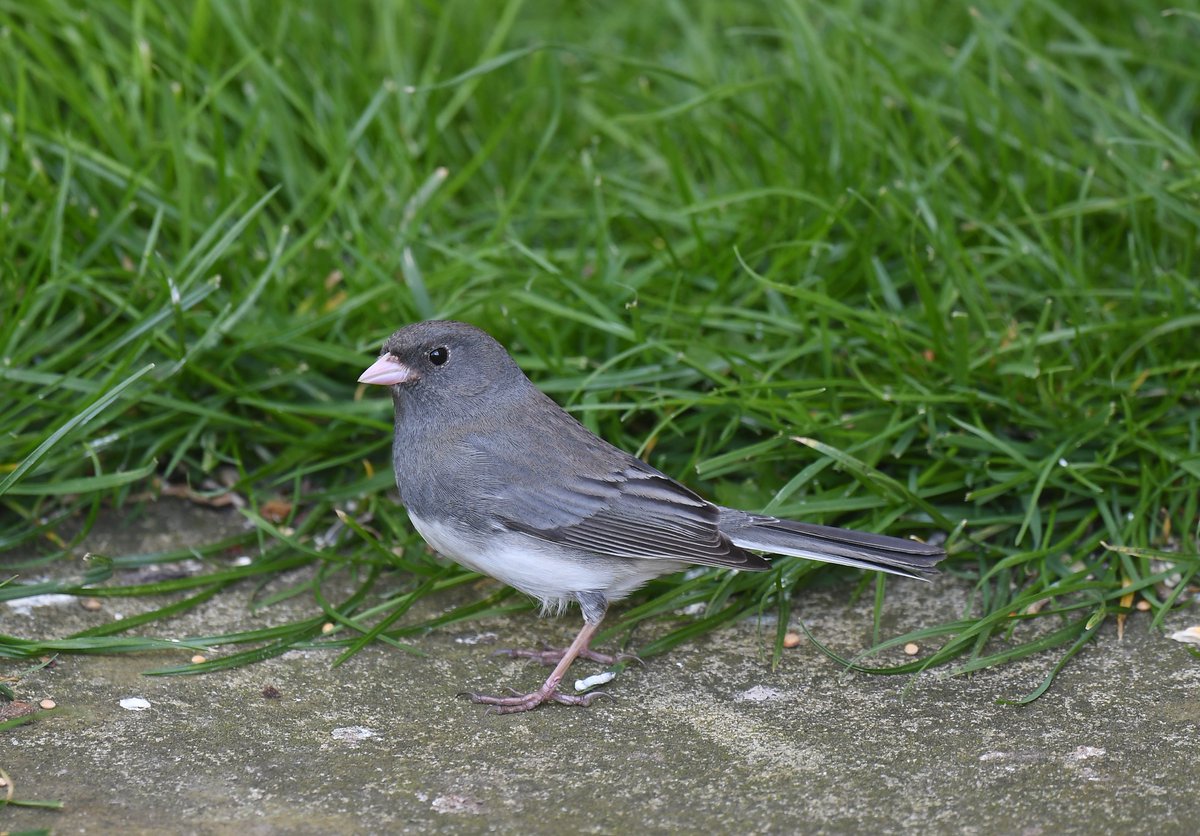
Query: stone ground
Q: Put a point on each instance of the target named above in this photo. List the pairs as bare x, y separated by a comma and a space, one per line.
707, 738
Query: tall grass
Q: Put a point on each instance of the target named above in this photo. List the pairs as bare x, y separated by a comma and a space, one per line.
901, 266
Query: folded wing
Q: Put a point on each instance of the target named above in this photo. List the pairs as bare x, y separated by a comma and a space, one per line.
633, 512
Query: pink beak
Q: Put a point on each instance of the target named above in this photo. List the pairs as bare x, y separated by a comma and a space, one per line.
386, 371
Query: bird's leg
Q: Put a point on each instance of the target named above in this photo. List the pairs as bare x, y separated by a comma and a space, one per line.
549, 691
553, 655
593, 605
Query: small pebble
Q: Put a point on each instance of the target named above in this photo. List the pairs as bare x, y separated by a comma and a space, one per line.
48, 704
1143, 605
276, 510
912, 648
271, 692
90, 604
791, 640
197, 659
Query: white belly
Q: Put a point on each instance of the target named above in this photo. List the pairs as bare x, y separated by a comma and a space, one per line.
543, 570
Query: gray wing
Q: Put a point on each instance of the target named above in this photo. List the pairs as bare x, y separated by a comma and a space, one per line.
624, 509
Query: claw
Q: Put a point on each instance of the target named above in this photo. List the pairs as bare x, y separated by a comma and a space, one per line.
591, 695
527, 702
549, 692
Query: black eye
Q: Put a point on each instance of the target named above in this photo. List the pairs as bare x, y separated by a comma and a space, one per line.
439, 355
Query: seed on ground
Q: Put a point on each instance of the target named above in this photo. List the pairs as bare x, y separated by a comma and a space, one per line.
912, 648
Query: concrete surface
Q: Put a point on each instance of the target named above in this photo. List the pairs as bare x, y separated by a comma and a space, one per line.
704, 739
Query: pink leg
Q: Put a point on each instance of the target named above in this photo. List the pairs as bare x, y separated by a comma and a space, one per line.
549, 691
551, 656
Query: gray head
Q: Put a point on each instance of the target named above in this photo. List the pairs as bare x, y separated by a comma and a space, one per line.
444, 362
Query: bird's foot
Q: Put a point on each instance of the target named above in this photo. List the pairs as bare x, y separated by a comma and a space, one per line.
527, 702
551, 656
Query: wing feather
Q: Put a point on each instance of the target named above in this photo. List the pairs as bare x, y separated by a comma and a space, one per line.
633, 512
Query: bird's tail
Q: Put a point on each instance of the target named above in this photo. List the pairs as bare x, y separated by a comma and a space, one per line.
831, 545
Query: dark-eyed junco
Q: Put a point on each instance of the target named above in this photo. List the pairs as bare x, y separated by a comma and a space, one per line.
497, 477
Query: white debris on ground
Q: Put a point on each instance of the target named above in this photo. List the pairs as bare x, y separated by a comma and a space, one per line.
476, 638
590, 682
759, 693
353, 734
1190, 636
24, 606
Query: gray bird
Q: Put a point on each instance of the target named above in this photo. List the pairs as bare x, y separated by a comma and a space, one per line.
496, 476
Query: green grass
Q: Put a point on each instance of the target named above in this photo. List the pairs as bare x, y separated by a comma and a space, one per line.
912, 267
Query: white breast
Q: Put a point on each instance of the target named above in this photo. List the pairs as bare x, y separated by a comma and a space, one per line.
550, 573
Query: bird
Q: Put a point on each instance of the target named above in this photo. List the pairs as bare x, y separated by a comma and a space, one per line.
498, 477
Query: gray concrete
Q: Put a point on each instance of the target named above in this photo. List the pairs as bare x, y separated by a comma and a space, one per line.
705, 739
